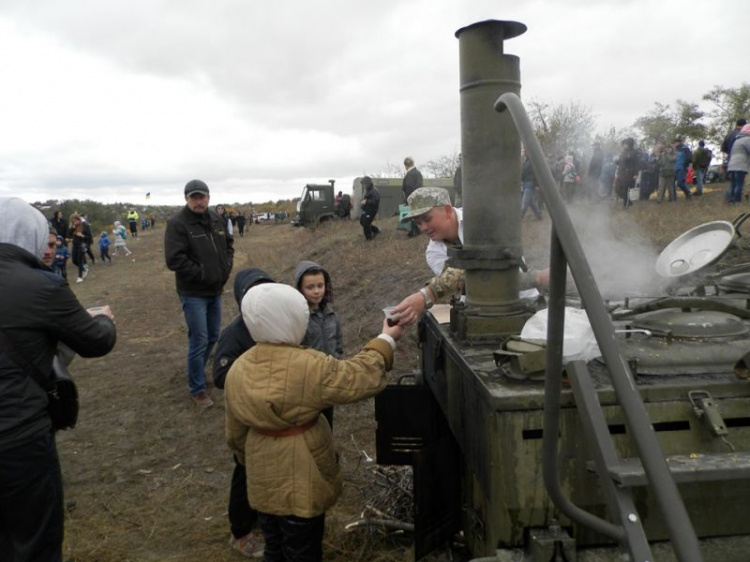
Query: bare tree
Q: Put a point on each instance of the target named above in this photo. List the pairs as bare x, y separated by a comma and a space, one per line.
658, 126
729, 104
562, 128
687, 116
391, 171
442, 167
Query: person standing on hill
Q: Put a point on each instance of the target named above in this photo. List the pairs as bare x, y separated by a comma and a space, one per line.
199, 251
234, 341
369, 204
39, 311
222, 212
726, 144
133, 222
458, 182
121, 235
627, 170
528, 184
274, 397
594, 172
104, 247
412, 180
60, 225
241, 224
59, 264
666, 173
701, 161
80, 233
683, 158
739, 163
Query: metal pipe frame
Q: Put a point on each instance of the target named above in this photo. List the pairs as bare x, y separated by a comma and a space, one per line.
566, 248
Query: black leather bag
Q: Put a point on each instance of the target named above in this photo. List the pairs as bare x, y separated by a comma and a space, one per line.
62, 394
62, 398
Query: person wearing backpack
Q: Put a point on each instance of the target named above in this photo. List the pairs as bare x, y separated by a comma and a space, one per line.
701, 161
683, 158
121, 234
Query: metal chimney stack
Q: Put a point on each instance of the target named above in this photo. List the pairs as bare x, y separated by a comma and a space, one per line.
491, 254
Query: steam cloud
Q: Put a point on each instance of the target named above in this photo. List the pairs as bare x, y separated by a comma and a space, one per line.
622, 267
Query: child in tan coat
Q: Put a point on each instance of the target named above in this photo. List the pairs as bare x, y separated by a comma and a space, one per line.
275, 393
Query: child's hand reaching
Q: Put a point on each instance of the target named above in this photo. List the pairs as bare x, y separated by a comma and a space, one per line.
395, 331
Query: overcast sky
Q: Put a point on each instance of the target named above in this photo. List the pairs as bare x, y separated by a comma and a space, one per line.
109, 100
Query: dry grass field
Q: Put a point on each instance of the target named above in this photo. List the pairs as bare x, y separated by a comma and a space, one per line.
150, 471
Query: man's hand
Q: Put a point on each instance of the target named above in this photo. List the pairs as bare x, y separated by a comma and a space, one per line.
409, 310
395, 331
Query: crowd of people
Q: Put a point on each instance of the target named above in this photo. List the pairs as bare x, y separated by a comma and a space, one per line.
669, 167
74, 242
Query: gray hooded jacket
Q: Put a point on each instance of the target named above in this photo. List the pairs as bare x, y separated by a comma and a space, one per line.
324, 328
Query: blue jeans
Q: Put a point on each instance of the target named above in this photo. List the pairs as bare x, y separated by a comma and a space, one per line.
203, 317
528, 200
699, 173
736, 183
680, 176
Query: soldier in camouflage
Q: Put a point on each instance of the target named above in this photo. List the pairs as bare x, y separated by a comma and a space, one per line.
431, 210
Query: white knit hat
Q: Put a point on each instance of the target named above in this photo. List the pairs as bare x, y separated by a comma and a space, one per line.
275, 313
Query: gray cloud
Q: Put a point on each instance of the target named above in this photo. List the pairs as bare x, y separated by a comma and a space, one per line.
331, 88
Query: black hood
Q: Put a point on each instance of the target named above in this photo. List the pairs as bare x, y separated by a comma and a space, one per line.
246, 279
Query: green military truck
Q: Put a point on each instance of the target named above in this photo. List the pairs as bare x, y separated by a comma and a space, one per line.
318, 204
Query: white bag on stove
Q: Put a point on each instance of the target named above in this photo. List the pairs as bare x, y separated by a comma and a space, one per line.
578, 342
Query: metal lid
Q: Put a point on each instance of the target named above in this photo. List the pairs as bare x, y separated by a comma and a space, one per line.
700, 324
695, 249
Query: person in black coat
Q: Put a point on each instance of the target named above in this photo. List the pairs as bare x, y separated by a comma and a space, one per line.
200, 251
234, 341
412, 180
39, 311
59, 224
370, 204
80, 233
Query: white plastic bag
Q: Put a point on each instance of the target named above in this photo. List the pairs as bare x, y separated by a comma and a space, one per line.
578, 341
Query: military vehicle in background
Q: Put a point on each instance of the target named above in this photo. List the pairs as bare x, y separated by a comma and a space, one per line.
317, 204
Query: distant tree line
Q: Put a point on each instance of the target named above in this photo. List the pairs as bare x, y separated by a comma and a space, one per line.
102, 216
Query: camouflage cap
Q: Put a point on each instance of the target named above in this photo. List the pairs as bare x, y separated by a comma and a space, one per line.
422, 200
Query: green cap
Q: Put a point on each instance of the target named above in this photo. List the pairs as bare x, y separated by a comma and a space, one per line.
422, 200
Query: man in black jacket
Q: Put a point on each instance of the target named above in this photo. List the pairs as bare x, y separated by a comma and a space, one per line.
412, 181
199, 250
39, 310
370, 204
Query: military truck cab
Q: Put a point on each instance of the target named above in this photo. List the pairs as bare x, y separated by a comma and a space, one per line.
315, 205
